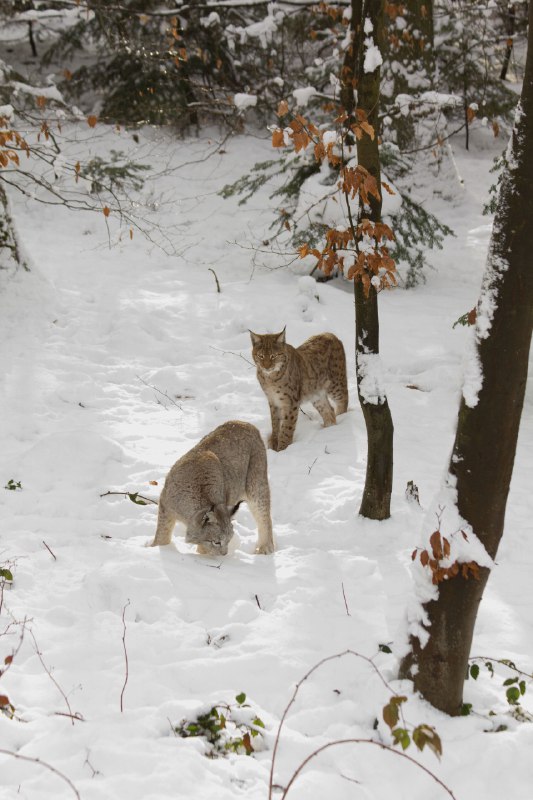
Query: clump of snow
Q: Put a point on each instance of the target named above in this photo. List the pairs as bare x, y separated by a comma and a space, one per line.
373, 58
371, 382
212, 19
243, 100
303, 95
7, 111
473, 374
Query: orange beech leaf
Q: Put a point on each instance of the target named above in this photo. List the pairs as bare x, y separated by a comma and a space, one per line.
106, 211
368, 129
436, 544
283, 108
92, 120
387, 187
41, 101
278, 140
131, 237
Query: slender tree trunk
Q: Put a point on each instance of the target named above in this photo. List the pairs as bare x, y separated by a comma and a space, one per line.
378, 484
511, 19
483, 455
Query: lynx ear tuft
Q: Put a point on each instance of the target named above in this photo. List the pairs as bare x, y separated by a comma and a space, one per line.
280, 337
255, 337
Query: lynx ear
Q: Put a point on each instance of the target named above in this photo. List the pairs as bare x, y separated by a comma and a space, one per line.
255, 337
209, 516
280, 337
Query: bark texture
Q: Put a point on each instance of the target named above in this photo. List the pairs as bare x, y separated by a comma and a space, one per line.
487, 432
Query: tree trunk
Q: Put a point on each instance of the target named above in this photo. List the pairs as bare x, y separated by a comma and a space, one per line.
511, 19
485, 444
378, 484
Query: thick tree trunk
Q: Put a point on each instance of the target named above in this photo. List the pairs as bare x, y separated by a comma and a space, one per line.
487, 431
378, 484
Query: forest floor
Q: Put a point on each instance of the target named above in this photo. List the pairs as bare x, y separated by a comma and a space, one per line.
115, 361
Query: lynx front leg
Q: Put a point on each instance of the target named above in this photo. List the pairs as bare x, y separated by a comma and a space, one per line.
287, 426
165, 525
325, 409
258, 499
275, 418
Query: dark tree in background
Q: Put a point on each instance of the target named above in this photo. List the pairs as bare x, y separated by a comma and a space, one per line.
483, 455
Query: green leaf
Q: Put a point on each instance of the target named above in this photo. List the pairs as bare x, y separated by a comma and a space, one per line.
424, 735
6, 574
134, 498
466, 709
513, 695
401, 736
391, 712
384, 648
259, 722
510, 681
474, 671
522, 686
240, 698
490, 668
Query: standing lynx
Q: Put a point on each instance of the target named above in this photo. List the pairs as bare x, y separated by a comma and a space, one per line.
314, 372
206, 486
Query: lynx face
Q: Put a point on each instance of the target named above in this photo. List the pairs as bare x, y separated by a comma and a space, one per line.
268, 351
212, 530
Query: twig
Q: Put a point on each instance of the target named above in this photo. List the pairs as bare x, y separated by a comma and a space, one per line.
381, 745
160, 391
257, 601
231, 353
42, 764
345, 601
312, 465
94, 771
73, 717
216, 279
125, 655
297, 689
52, 554
127, 494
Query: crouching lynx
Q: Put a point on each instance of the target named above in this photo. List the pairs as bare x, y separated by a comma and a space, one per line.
204, 489
315, 371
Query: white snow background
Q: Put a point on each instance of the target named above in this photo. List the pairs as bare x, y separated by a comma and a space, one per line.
85, 335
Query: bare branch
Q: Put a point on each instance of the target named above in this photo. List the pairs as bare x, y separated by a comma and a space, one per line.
125, 656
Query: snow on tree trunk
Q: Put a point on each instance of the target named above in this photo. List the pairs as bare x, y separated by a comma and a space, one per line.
483, 455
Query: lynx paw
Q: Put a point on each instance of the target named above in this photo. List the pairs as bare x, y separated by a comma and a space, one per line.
264, 549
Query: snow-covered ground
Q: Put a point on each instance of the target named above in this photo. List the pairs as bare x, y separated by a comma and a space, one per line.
114, 363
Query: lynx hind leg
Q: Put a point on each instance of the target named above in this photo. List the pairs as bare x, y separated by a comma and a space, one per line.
166, 521
339, 395
325, 409
258, 498
338, 382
